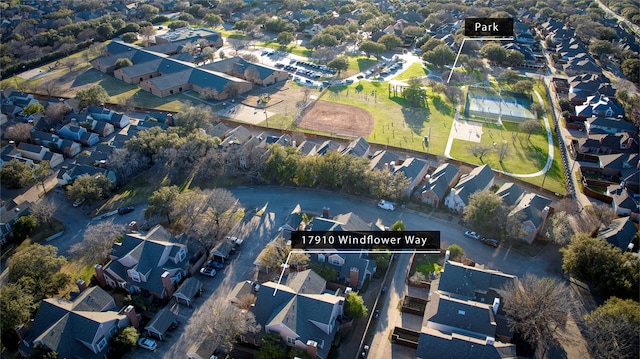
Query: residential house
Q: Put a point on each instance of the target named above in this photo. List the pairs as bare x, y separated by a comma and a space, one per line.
77, 328
300, 311
9, 214
465, 315
222, 250
353, 268
382, 158
599, 106
479, 179
312, 30
414, 169
116, 119
600, 125
440, 181
78, 134
10, 153
600, 144
358, 147
619, 233
68, 148
624, 200
150, 263
612, 166
511, 194
39, 154
66, 175
585, 85
534, 210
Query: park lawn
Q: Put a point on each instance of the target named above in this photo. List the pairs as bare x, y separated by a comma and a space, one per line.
415, 70
278, 121
358, 63
136, 191
77, 271
395, 123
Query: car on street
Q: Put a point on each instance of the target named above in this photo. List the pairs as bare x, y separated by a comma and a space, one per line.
490, 242
472, 234
148, 344
208, 271
125, 210
79, 202
386, 205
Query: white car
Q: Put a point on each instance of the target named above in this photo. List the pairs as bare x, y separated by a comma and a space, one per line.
147, 343
79, 202
471, 234
209, 271
386, 205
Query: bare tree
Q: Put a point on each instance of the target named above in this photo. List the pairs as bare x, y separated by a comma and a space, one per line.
503, 150
480, 150
273, 255
20, 132
251, 58
43, 211
236, 44
97, 242
221, 322
147, 32
603, 213
126, 164
56, 112
559, 228
538, 309
530, 127
49, 87
71, 62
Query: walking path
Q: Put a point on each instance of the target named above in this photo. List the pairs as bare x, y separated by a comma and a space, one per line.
457, 122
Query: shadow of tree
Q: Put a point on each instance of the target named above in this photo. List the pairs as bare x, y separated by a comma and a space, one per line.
442, 106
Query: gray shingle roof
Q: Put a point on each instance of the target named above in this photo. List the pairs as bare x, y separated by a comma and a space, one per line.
189, 288
475, 181
60, 323
435, 344
468, 317
306, 282
441, 178
532, 206
510, 193
619, 233
466, 281
161, 322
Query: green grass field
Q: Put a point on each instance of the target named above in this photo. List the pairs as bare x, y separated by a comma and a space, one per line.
359, 64
415, 70
395, 123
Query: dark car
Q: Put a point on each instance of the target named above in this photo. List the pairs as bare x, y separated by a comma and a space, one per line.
490, 242
125, 210
215, 265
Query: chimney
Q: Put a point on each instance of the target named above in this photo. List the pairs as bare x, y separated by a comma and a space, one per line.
82, 285
354, 275
490, 341
326, 212
312, 349
167, 283
100, 275
446, 256
170, 119
496, 305
134, 318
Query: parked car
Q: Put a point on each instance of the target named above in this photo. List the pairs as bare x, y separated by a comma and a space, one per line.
490, 242
79, 202
147, 343
125, 210
472, 234
208, 271
214, 264
386, 205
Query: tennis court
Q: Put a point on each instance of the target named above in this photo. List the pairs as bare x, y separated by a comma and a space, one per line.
487, 104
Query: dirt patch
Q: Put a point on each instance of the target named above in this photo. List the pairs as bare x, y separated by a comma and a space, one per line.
338, 119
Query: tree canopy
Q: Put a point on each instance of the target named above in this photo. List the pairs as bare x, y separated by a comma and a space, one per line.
93, 96
37, 268
354, 306
611, 330
606, 267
